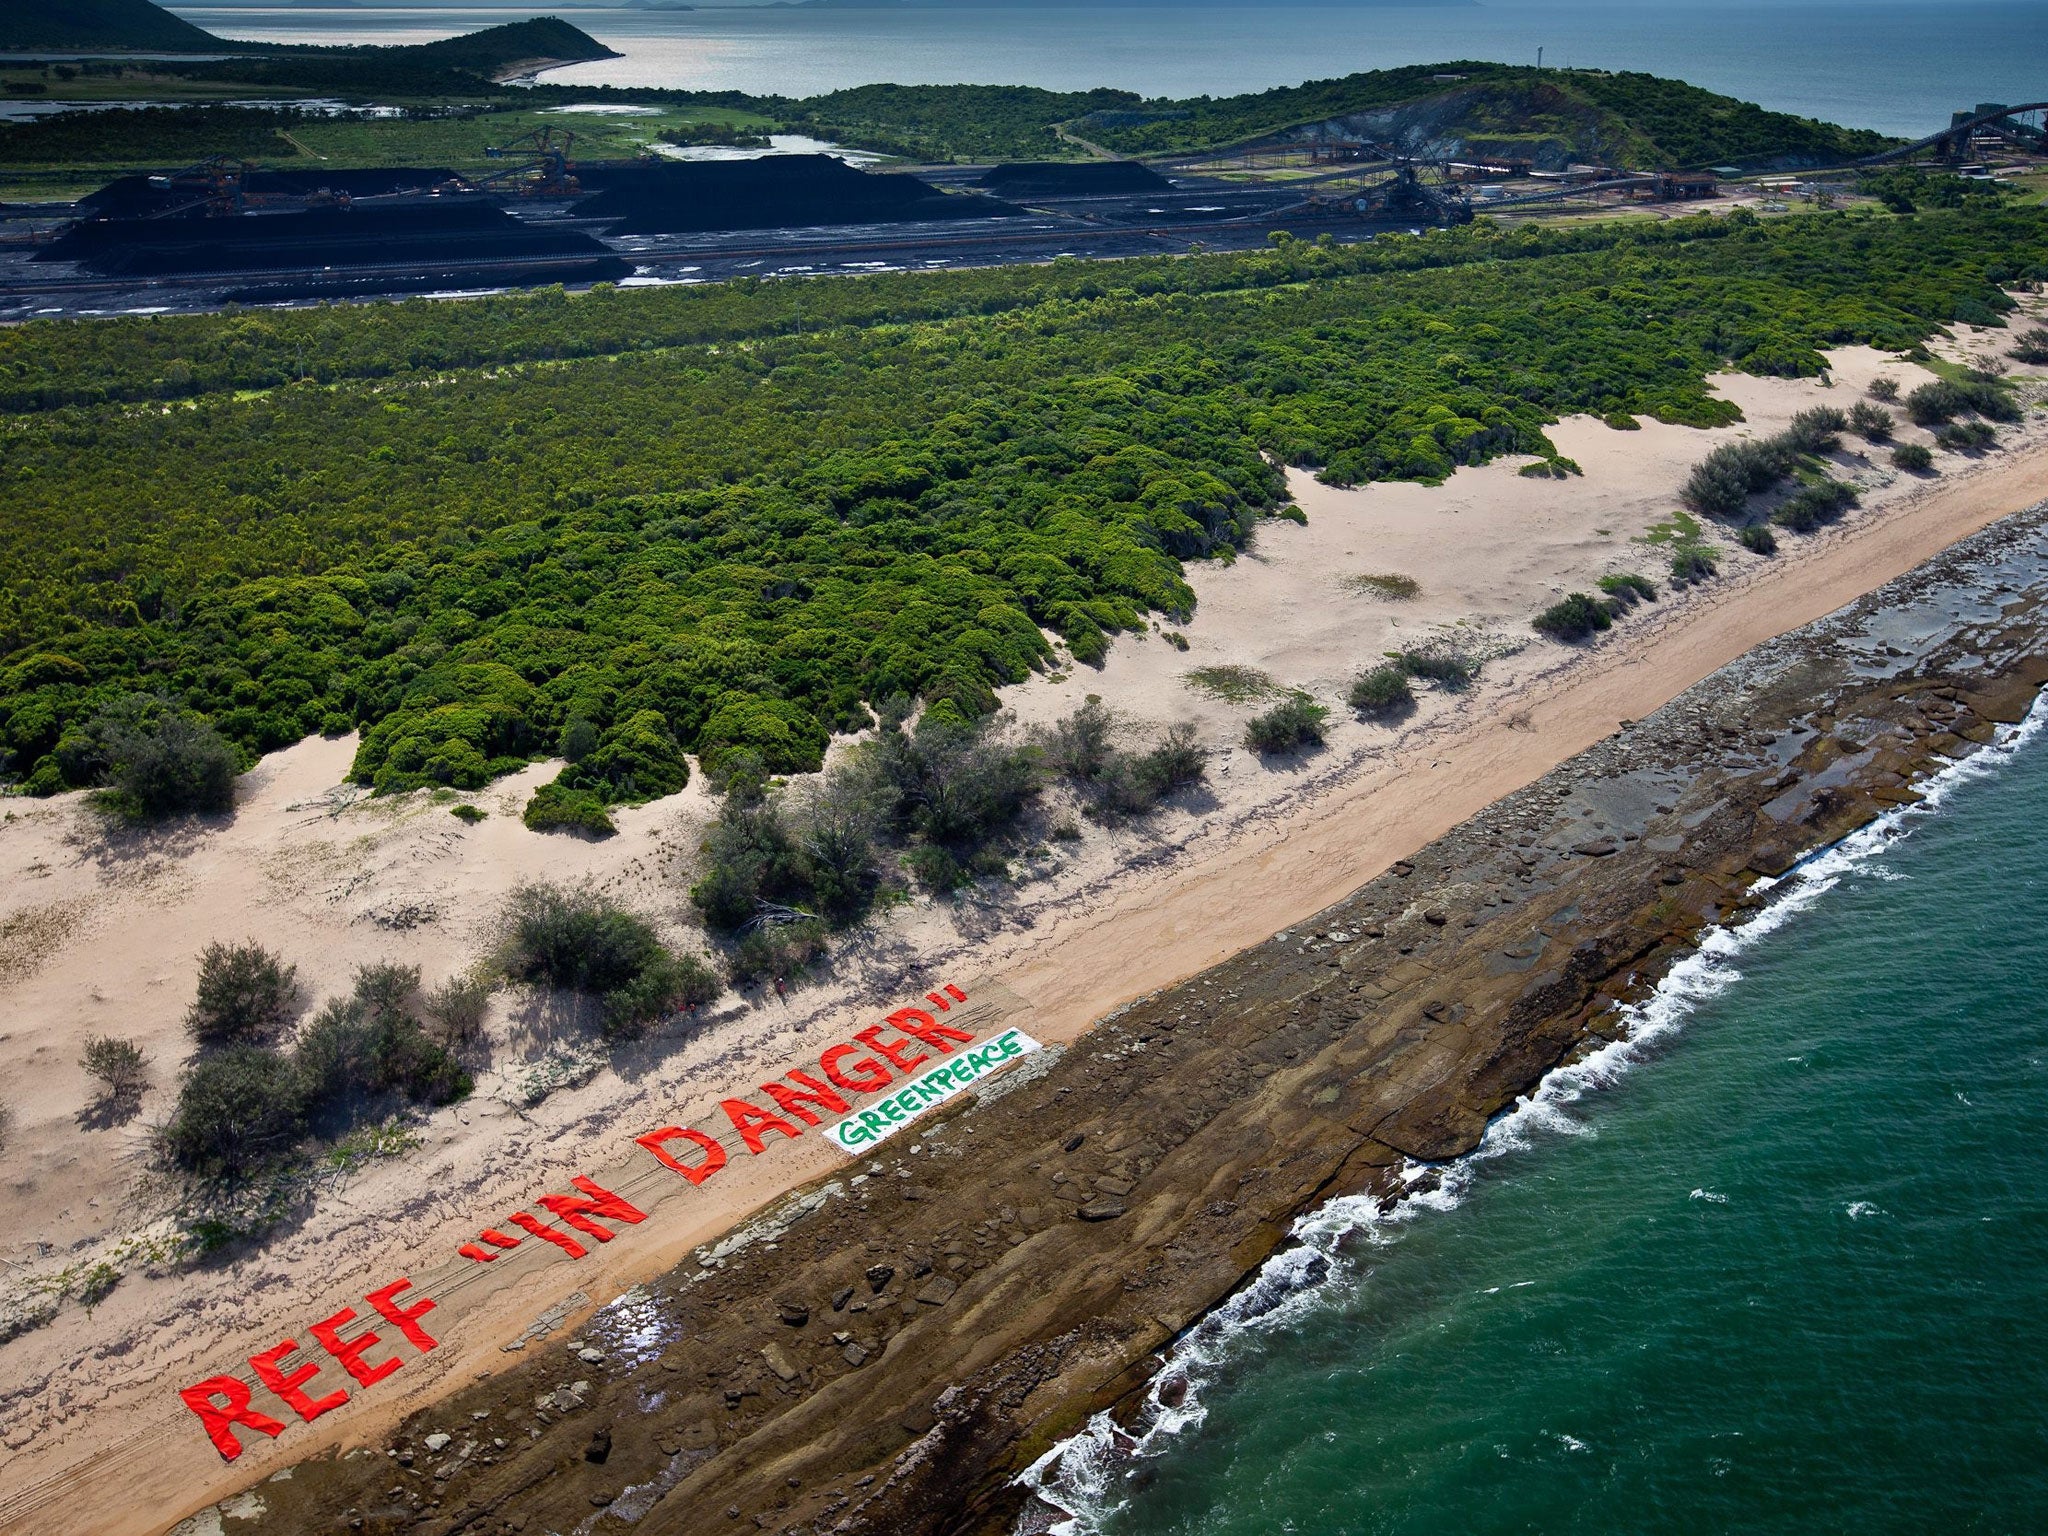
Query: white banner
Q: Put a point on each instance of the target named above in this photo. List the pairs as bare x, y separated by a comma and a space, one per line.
885, 1117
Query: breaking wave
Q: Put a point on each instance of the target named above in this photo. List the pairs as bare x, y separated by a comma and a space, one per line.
1082, 1483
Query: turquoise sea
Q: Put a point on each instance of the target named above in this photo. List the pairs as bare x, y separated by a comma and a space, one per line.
1899, 66
1780, 1267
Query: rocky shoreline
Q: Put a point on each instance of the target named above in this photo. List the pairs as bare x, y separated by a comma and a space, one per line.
891, 1347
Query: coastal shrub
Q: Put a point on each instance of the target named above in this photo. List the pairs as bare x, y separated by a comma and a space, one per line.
1574, 617
1817, 429
1079, 746
454, 1012
954, 783
1727, 477
787, 951
1450, 670
2031, 347
120, 1066
237, 1109
246, 995
581, 941
751, 863
1870, 423
1758, 539
1815, 505
576, 940
1965, 436
1382, 691
1942, 401
371, 1044
1884, 388
1296, 721
663, 985
1625, 589
1134, 783
555, 807
471, 814
1915, 458
156, 758
838, 837
1622, 421
1693, 563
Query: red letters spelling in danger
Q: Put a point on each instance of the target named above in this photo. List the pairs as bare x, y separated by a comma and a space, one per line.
364, 1351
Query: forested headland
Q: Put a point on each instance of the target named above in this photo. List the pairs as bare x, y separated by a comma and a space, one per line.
736, 517
1635, 120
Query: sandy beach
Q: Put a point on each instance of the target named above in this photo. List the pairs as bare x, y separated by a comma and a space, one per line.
99, 931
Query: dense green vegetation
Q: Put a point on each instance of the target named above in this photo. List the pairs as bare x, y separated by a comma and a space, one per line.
1639, 119
579, 941
1296, 721
638, 524
1630, 119
950, 122
147, 136
245, 1102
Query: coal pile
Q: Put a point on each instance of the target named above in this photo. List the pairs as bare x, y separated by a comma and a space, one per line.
1081, 178
149, 197
774, 192
447, 236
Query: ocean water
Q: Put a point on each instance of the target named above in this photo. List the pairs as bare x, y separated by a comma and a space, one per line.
1899, 66
1778, 1267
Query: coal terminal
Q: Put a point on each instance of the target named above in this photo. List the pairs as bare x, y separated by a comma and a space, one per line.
207, 238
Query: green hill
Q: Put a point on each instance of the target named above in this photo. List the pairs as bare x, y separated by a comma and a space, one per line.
1632, 119
120, 25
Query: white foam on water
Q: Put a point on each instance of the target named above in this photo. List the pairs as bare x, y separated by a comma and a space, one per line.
1081, 1479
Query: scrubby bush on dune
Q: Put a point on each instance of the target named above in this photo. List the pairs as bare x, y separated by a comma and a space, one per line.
1693, 563
557, 808
575, 940
1816, 505
1942, 401
1870, 423
1817, 429
1885, 389
239, 1108
454, 1012
1296, 721
580, 941
2031, 347
1625, 589
1451, 671
1134, 783
1914, 458
1965, 436
1081, 746
1758, 539
1726, 478
1575, 617
119, 1064
771, 951
1382, 691
246, 995
156, 759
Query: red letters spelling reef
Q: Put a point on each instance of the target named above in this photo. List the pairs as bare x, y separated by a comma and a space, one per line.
224, 1403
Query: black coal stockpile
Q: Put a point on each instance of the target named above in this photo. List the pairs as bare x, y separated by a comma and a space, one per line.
1080, 178
774, 192
147, 197
446, 236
